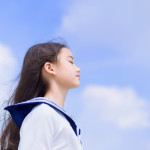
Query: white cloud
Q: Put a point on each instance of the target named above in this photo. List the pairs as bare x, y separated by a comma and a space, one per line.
118, 24
7, 69
7, 62
118, 106
147, 145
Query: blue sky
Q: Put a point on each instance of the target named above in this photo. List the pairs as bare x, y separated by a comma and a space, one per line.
110, 43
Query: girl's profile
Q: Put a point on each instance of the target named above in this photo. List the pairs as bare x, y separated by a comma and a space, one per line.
37, 118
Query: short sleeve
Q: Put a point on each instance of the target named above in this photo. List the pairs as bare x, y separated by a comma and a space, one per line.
38, 129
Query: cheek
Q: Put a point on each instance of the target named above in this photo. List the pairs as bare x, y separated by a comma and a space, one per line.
66, 77
67, 67
64, 70
68, 72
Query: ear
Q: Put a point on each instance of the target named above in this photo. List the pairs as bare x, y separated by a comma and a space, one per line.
49, 68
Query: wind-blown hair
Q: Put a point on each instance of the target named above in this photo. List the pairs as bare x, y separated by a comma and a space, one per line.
30, 85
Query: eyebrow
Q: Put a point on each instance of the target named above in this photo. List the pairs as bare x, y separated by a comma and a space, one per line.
70, 56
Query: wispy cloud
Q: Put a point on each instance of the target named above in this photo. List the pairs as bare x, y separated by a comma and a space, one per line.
119, 106
7, 69
124, 28
7, 62
114, 117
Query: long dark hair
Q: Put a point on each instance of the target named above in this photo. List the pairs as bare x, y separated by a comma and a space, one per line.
30, 85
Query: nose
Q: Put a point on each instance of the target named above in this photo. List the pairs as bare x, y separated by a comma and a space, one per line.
78, 69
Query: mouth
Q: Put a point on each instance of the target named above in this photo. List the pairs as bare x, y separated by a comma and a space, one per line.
77, 75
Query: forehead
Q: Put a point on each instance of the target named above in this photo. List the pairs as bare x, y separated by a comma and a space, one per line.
65, 52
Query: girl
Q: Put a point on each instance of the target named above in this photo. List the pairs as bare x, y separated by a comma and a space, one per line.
37, 118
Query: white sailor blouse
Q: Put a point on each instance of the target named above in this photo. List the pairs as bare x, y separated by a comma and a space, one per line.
44, 125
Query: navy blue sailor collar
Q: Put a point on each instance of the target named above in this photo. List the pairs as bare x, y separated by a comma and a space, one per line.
20, 110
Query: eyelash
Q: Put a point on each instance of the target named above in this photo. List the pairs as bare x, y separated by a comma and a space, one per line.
71, 62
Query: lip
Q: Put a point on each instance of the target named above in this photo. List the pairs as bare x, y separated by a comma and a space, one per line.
77, 75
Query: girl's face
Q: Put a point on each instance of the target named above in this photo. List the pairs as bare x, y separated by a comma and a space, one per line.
66, 70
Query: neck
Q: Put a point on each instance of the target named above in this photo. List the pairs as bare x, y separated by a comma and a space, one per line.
57, 94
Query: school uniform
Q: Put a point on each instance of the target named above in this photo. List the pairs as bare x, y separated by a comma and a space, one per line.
44, 125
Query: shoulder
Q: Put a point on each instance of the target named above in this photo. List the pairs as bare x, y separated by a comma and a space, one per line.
43, 110
39, 128
42, 115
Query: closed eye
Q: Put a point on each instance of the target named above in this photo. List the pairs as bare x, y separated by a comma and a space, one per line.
71, 62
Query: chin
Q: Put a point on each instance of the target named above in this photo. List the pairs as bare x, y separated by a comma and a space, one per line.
77, 85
